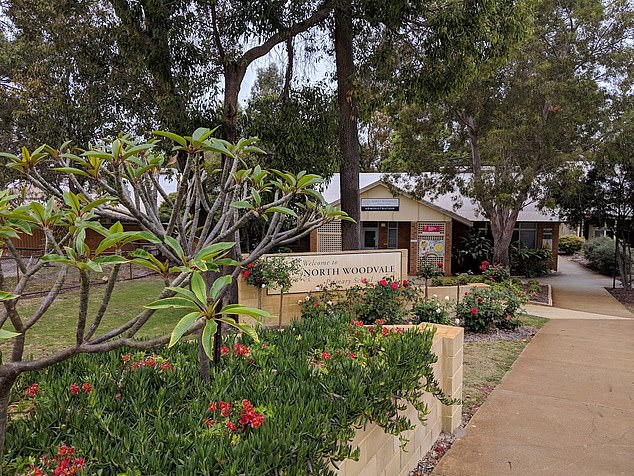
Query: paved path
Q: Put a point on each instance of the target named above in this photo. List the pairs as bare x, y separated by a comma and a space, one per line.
577, 288
566, 407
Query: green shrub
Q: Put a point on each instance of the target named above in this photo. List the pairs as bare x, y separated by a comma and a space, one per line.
306, 390
570, 244
388, 300
530, 262
484, 308
444, 281
600, 254
494, 273
432, 310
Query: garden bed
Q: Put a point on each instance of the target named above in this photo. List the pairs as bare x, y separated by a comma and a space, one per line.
542, 296
624, 296
290, 403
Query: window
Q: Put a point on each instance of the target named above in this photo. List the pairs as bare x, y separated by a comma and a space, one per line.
392, 235
526, 233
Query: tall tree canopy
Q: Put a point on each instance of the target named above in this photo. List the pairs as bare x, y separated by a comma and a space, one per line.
512, 129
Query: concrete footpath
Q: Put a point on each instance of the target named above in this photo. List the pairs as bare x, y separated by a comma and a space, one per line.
566, 407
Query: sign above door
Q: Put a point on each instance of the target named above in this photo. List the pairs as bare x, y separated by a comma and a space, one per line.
380, 204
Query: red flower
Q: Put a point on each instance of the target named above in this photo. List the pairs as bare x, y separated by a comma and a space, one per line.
209, 422
466, 293
239, 349
224, 350
74, 389
474, 310
32, 390
364, 280
385, 331
480, 299
232, 426
150, 362
534, 293
353, 355
246, 273
379, 322
125, 357
399, 330
485, 264
339, 352
383, 282
250, 265
87, 387
394, 285
66, 450
491, 278
325, 355
405, 283
358, 323
165, 366
212, 406
314, 304
439, 265
225, 408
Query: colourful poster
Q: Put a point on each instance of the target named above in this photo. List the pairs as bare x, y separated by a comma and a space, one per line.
431, 248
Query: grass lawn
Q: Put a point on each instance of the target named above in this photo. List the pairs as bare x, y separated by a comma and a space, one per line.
57, 328
487, 361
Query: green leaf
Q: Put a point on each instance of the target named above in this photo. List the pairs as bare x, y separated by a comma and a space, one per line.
172, 303
183, 326
114, 259
189, 295
96, 267
174, 137
249, 330
245, 311
72, 171
4, 334
175, 245
284, 210
5, 296
208, 337
198, 287
211, 251
241, 204
218, 285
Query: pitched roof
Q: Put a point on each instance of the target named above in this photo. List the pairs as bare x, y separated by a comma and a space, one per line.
451, 203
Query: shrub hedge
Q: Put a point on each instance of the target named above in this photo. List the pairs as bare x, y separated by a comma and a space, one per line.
570, 244
306, 390
600, 254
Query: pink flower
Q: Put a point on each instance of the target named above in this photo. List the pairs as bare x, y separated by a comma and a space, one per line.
364, 280
474, 310
383, 282
394, 285
534, 293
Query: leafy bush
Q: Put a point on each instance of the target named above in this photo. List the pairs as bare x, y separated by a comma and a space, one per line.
530, 262
473, 249
387, 300
570, 244
494, 273
432, 310
288, 404
600, 254
484, 308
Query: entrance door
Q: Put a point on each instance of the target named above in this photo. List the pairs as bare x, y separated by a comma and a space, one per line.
370, 238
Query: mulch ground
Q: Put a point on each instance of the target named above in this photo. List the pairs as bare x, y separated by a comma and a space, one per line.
541, 296
445, 440
624, 296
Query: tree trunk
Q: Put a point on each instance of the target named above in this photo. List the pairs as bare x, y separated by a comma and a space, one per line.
281, 302
502, 225
6, 383
234, 74
348, 131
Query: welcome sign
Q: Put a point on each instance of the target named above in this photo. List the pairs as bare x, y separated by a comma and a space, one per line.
344, 269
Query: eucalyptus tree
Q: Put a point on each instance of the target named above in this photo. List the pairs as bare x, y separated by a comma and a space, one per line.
512, 128
121, 180
404, 49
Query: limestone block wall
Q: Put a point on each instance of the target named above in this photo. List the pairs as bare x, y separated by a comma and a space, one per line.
381, 453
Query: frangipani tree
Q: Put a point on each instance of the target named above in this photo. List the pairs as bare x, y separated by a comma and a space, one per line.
199, 245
